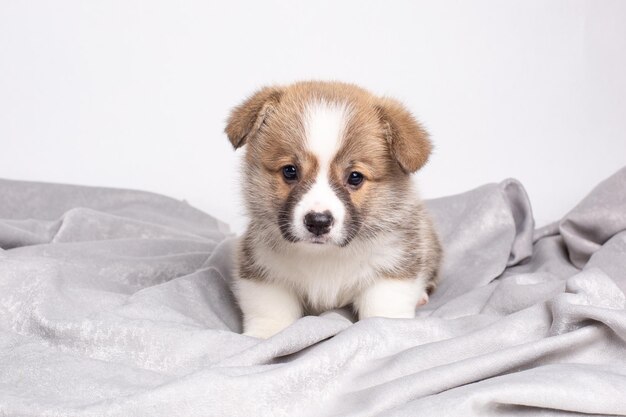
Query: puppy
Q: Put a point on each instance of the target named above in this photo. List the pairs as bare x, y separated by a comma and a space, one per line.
334, 218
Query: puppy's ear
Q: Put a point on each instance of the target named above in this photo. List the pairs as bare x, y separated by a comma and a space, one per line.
408, 140
246, 119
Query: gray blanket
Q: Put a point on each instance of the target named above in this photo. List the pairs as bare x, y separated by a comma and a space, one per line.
116, 302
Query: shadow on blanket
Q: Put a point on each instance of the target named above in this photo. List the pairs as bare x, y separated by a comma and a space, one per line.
116, 302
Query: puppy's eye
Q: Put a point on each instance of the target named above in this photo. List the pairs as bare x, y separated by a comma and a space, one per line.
355, 178
290, 173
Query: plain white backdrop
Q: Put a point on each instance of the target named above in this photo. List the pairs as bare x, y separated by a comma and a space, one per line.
134, 94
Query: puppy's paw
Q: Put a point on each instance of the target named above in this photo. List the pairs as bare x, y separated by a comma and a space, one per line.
264, 329
267, 308
392, 298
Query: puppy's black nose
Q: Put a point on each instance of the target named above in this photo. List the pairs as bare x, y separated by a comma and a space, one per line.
318, 223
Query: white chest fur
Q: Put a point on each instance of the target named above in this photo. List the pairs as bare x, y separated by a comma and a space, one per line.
326, 277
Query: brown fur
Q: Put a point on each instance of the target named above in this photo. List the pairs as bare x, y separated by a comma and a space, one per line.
245, 120
408, 139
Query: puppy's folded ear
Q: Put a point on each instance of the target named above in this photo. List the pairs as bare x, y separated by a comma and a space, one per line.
246, 119
408, 140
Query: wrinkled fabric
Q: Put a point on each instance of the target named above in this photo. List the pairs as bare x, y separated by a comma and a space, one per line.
117, 303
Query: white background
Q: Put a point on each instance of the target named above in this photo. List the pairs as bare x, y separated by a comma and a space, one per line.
134, 94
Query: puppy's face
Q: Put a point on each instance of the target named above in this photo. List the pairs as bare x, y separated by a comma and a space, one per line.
326, 162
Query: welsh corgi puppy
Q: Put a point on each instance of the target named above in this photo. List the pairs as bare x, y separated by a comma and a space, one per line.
334, 219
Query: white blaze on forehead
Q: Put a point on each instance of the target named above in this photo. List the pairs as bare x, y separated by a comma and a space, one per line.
325, 124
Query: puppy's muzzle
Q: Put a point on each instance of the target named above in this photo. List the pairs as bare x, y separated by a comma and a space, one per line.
318, 223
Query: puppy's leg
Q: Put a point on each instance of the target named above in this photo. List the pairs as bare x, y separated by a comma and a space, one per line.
394, 298
267, 308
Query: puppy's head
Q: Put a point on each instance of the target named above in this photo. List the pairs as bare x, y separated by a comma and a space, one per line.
326, 162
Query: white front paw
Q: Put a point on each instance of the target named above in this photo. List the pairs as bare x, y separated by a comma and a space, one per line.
267, 308
391, 313
264, 328
392, 298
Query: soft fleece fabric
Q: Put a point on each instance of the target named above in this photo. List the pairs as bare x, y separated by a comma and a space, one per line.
117, 303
